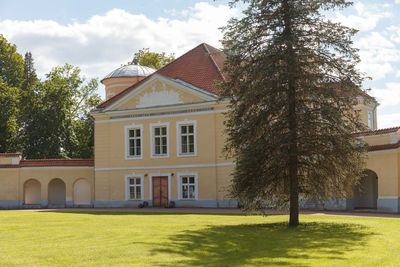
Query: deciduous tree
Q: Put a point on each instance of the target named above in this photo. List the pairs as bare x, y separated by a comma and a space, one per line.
11, 64
8, 117
292, 86
60, 115
11, 77
152, 59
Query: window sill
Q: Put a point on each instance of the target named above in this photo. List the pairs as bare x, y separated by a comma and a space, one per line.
186, 155
133, 157
159, 156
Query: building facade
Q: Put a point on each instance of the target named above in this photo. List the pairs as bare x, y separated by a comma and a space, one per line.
158, 142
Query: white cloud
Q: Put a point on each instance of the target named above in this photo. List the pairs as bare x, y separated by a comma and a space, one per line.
389, 96
395, 33
366, 19
397, 1
389, 100
377, 53
375, 70
388, 120
104, 42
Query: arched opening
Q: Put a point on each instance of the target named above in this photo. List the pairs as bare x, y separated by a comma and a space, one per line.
366, 192
32, 191
57, 193
82, 192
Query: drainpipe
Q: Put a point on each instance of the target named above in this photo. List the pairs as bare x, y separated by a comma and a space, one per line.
94, 162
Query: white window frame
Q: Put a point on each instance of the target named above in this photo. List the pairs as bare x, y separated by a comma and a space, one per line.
152, 146
196, 184
127, 186
179, 139
133, 127
370, 119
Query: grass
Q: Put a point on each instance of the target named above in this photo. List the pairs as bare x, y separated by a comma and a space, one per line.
142, 239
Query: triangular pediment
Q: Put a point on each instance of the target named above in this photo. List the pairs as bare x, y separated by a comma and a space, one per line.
158, 90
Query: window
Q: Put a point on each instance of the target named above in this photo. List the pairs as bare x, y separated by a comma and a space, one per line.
186, 138
159, 140
187, 186
133, 141
370, 120
135, 188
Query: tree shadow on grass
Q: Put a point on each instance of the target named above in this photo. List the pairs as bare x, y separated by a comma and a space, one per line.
261, 244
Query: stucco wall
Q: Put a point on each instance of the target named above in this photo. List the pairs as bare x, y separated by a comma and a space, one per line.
385, 165
110, 141
9, 183
12, 182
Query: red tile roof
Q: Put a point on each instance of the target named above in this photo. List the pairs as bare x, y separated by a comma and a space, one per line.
201, 67
56, 162
10, 155
378, 132
50, 163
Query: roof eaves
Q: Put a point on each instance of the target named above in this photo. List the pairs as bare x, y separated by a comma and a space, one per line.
10, 155
378, 132
384, 147
192, 87
213, 61
56, 162
122, 93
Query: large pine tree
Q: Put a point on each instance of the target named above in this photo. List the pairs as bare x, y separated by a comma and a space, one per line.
292, 86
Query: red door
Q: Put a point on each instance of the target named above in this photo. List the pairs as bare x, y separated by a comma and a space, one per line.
160, 191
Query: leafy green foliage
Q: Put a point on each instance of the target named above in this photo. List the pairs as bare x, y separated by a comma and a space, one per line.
44, 119
152, 59
11, 76
292, 91
8, 117
11, 64
59, 114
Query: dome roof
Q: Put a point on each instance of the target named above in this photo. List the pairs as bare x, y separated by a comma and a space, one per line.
131, 70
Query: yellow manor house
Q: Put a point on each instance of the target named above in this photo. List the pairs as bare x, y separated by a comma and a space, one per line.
158, 142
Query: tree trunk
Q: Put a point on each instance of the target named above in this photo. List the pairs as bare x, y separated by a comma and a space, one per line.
293, 166
292, 120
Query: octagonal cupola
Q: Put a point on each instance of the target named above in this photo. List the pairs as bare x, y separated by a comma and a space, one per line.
124, 77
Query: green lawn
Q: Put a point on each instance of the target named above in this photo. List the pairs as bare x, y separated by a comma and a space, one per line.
110, 238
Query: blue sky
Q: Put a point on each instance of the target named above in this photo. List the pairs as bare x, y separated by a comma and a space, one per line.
81, 10
98, 36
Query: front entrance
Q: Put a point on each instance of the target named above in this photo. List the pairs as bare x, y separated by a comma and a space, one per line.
160, 191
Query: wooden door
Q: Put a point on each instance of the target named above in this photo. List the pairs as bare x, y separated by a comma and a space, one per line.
160, 191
